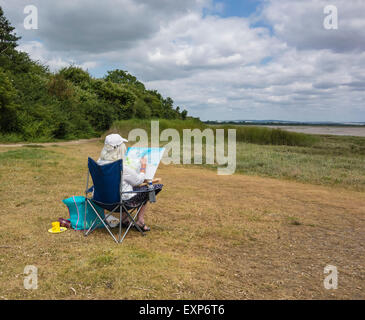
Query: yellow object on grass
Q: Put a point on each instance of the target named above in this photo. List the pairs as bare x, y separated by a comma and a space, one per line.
56, 228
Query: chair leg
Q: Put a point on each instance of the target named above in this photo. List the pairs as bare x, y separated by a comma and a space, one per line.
134, 219
102, 220
85, 232
121, 208
132, 222
135, 223
90, 230
120, 223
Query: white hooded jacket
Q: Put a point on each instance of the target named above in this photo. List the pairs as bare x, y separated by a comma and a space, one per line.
114, 149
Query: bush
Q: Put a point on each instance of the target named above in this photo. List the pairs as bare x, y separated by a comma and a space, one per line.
142, 109
8, 108
60, 87
76, 75
261, 135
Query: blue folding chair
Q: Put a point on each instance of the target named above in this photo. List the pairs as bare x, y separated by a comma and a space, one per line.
107, 194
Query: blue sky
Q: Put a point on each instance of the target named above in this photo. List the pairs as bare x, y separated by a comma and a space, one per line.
220, 60
238, 8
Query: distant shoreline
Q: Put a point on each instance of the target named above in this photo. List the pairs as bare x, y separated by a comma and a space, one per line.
356, 131
280, 123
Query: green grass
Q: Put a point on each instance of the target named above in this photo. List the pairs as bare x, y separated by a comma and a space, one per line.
269, 136
26, 154
10, 138
333, 160
250, 134
323, 160
123, 127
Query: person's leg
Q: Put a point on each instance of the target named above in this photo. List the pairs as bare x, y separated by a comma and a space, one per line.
125, 219
140, 219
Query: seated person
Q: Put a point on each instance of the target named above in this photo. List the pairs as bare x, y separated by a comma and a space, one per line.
114, 149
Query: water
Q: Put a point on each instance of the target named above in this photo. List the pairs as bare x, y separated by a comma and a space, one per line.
330, 130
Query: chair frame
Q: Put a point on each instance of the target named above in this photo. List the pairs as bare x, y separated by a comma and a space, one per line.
122, 209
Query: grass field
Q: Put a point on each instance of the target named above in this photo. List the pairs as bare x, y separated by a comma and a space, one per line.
332, 160
317, 159
213, 237
246, 134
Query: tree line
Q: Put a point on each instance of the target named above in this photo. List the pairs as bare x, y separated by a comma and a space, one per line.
38, 104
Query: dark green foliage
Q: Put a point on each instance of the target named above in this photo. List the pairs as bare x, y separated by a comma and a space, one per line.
76, 75
59, 87
8, 39
142, 109
184, 114
123, 77
8, 115
119, 96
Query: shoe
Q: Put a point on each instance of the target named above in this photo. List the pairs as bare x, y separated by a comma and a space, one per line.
125, 224
64, 223
143, 227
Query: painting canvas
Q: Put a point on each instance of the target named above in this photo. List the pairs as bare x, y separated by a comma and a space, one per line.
135, 154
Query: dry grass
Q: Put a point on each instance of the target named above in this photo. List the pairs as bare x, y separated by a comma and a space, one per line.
213, 237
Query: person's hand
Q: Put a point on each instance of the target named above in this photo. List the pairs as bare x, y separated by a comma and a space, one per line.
143, 164
143, 161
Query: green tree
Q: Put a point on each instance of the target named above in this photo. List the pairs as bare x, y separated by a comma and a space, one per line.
123, 77
76, 75
184, 114
142, 109
36, 104
8, 116
119, 96
8, 39
155, 105
60, 87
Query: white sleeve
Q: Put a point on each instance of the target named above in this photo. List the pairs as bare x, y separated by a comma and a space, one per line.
132, 177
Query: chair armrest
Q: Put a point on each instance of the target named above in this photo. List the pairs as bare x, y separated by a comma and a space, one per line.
137, 191
145, 183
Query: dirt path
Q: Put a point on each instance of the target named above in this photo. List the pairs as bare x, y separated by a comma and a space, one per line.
47, 144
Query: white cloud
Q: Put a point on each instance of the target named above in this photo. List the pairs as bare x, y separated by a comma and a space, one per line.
193, 43
300, 23
40, 53
217, 68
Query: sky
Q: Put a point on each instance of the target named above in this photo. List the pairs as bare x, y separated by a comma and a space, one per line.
218, 59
